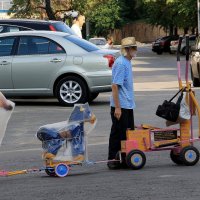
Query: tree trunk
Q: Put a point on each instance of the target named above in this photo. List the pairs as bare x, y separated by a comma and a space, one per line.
193, 30
49, 10
171, 29
176, 31
186, 30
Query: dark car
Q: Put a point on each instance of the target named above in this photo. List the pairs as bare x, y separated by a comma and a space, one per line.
34, 25
163, 44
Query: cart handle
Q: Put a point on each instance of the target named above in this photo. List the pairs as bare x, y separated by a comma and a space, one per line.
178, 61
187, 59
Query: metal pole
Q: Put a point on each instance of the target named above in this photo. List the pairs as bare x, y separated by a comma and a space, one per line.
198, 15
87, 29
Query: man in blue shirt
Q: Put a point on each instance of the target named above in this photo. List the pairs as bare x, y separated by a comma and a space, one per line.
122, 100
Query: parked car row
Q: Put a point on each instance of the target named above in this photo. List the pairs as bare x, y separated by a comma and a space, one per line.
174, 44
162, 44
170, 44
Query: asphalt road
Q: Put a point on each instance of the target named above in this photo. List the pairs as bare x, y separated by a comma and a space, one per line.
155, 80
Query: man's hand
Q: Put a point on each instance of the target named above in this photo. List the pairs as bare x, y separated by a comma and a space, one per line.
118, 113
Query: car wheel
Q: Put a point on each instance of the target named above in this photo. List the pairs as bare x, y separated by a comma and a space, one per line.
196, 82
93, 96
71, 90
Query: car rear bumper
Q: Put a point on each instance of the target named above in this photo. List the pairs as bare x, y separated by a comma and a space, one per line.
99, 81
99, 89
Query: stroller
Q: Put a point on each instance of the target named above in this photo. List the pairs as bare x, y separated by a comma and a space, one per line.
65, 143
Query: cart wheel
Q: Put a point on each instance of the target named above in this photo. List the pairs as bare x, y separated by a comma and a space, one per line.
62, 170
50, 171
176, 158
123, 163
189, 155
136, 159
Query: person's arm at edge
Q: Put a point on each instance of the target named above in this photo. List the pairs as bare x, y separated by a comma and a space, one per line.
4, 102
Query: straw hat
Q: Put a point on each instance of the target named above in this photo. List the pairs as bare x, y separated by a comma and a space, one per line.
128, 42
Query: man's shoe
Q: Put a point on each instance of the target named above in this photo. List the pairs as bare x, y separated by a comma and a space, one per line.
113, 165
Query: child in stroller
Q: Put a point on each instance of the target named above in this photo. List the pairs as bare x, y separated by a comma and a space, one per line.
54, 136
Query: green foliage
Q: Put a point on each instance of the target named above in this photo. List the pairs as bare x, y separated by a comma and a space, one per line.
105, 16
172, 13
24, 8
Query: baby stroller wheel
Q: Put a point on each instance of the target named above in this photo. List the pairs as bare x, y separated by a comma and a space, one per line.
50, 171
189, 155
136, 159
61, 170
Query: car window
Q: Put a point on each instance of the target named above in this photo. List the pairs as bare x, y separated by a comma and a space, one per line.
6, 45
29, 45
55, 48
1, 29
12, 29
84, 44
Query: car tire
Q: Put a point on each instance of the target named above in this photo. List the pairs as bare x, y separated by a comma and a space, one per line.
184, 51
196, 82
71, 90
159, 52
93, 96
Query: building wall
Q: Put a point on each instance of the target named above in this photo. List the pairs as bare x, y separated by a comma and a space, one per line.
5, 5
142, 31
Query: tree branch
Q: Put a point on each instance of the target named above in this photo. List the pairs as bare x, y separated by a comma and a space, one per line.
65, 10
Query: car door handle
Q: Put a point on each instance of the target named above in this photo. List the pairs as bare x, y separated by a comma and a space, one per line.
4, 62
56, 60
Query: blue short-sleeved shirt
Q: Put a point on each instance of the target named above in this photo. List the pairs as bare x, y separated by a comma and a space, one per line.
122, 76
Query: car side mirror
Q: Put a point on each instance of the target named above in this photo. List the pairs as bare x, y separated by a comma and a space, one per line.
194, 49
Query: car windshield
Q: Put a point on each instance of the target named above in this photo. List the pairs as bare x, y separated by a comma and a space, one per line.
84, 44
62, 27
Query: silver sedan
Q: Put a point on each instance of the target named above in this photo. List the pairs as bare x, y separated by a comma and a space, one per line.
45, 63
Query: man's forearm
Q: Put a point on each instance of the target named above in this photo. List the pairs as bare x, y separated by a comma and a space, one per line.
115, 93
